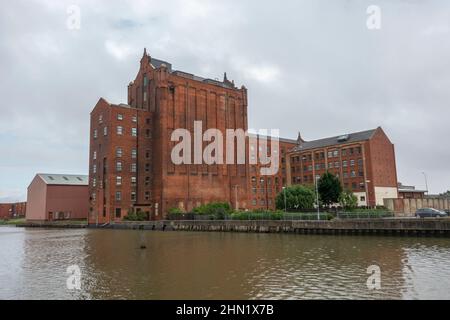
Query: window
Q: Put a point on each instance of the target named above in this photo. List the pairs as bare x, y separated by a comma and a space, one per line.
330, 154
118, 212
145, 96
352, 163
145, 80
119, 152
147, 195
344, 152
94, 182
134, 119
95, 155
254, 202
94, 168
105, 131
133, 132
119, 130
254, 190
119, 117
147, 121
360, 162
94, 196
147, 181
95, 134
147, 133
362, 199
358, 150
353, 174
118, 166
118, 196
147, 167
354, 185
133, 181
147, 154
330, 165
336, 153
344, 163
100, 118
133, 153
336, 164
361, 173
362, 186
118, 181
133, 167
345, 175
133, 196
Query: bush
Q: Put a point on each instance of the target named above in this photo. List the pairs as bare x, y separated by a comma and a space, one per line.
217, 210
297, 197
175, 211
136, 216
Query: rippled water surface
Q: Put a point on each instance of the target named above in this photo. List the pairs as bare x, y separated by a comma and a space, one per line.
178, 265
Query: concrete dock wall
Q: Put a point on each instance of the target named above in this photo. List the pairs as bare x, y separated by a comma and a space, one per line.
360, 226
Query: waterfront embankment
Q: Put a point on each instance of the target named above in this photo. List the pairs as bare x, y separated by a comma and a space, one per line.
336, 226
432, 226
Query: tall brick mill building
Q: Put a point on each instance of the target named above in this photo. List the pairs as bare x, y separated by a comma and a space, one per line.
130, 165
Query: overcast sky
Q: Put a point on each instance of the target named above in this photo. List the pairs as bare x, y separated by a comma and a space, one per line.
311, 66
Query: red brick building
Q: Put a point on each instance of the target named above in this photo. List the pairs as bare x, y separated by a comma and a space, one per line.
130, 151
130, 145
57, 197
12, 210
364, 162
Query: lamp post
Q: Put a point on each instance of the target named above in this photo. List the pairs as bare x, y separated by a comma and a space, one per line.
317, 197
426, 180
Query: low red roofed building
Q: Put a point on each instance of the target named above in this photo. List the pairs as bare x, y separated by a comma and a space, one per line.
58, 197
12, 210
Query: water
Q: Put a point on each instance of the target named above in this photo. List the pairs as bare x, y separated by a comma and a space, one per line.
185, 265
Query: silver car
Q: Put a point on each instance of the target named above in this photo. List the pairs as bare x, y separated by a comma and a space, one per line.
430, 213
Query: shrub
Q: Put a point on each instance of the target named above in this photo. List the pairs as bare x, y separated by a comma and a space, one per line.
218, 210
297, 197
136, 216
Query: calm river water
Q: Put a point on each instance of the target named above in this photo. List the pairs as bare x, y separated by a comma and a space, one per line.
178, 265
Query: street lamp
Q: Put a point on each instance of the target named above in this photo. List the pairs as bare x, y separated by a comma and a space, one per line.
317, 197
426, 180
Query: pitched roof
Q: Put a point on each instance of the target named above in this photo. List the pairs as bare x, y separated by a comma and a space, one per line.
64, 179
337, 140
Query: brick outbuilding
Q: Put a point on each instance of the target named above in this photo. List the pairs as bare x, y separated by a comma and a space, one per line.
58, 197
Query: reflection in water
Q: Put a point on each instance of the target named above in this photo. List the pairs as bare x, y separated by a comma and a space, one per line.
178, 265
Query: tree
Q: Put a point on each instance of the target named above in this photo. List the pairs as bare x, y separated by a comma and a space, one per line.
329, 188
445, 194
348, 200
297, 197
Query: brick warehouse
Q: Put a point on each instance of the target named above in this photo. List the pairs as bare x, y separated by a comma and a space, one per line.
364, 162
130, 148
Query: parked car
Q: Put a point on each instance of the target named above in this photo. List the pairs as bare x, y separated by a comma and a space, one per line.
430, 213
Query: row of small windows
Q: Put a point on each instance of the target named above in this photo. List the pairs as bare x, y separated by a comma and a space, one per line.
322, 166
119, 181
262, 202
121, 131
330, 154
119, 153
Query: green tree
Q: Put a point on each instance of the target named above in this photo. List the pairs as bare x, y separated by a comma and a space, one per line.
445, 194
348, 200
329, 188
297, 197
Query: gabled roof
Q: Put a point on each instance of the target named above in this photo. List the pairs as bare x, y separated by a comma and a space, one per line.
64, 179
337, 140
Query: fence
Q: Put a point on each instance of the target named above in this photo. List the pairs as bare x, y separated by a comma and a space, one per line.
408, 207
